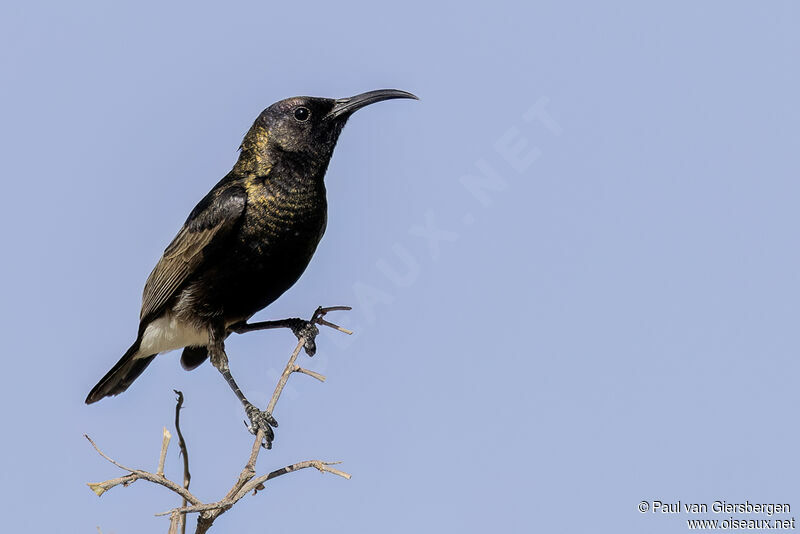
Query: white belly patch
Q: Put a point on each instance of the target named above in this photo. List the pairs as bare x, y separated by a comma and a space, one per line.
167, 333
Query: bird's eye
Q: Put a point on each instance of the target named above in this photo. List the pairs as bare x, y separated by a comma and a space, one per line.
302, 114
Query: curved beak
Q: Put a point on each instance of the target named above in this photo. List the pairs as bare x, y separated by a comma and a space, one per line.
344, 107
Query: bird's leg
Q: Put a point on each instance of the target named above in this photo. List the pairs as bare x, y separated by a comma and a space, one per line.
302, 329
259, 420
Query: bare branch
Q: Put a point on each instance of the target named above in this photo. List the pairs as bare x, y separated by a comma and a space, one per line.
187, 476
245, 482
101, 453
315, 374
288, 370
321, 312
163, 457
176, 522
101, 487
138, 474
257, 484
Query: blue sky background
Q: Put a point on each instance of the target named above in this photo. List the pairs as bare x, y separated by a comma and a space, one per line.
613, 320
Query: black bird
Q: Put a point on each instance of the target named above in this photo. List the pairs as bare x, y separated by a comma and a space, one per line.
246, 242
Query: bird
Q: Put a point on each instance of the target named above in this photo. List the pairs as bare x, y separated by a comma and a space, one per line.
243, 245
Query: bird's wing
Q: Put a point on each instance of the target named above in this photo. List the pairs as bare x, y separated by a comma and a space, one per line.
210, 222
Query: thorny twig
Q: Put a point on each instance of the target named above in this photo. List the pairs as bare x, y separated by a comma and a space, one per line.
245, 482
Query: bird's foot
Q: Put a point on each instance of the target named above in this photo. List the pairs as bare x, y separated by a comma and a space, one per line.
306, 331
261, 420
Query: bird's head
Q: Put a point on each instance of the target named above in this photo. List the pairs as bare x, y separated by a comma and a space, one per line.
303, 128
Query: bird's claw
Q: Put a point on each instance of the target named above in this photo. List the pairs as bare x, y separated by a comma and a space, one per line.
261, 420
307, 331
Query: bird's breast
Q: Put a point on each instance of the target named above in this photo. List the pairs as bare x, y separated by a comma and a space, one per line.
284, 220
269, 250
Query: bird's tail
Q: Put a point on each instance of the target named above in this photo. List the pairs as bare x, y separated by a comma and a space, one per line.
122, 375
